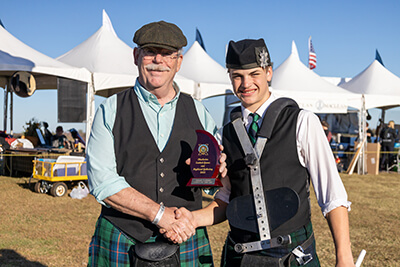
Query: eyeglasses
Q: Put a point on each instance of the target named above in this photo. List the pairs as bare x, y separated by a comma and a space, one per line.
150, 54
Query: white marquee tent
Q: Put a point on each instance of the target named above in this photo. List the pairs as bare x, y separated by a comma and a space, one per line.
293, 79
107, 57
111, 63
211, 78
380, 87
17, 56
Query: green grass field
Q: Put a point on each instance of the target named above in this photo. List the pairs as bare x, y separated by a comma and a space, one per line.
41, 230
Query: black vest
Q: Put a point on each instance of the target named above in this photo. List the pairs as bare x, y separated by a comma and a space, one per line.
160, 176
280, 166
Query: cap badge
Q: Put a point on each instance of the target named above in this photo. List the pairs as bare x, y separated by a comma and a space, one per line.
263, 58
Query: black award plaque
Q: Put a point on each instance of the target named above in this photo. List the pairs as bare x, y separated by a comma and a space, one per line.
204, 161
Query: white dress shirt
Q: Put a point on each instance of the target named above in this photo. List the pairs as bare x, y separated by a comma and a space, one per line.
314, 154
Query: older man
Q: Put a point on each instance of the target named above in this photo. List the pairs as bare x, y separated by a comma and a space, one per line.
136, 156
273, 150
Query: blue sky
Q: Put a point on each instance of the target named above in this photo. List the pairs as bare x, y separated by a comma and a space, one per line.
345, 35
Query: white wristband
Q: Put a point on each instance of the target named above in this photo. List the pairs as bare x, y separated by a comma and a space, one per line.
159, 214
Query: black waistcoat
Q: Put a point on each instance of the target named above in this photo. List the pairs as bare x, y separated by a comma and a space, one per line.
160, 176
280, 167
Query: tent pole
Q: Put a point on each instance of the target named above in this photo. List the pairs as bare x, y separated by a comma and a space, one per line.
197, 92
364, 136
89, 107
11, 113
5, 110
361, 136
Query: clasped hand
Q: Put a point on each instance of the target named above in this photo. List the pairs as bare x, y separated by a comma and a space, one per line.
178, 225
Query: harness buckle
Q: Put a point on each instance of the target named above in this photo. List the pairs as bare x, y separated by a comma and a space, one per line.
250, 159
301, 257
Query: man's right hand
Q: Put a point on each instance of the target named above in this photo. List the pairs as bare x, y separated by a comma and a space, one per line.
177, 225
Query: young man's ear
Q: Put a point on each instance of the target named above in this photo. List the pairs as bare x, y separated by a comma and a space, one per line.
269, 73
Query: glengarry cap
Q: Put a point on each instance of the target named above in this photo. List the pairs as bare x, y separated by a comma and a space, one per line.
247, 54
160, 34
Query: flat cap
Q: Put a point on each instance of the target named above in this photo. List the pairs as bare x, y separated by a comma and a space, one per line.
247, 54
160, 34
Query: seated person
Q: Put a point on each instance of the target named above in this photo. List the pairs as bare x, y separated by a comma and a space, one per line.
59, 140
48, 136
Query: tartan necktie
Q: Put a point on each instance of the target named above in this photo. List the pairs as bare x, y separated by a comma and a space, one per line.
253, 129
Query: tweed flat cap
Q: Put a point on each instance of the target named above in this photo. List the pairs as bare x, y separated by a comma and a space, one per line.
247, 54
160, 34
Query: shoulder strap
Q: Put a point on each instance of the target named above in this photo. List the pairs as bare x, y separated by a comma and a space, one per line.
236, 113
272, 114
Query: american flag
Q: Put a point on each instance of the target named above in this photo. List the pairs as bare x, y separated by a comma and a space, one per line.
312, 57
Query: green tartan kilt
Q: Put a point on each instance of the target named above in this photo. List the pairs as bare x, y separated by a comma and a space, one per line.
230, 258
111, 247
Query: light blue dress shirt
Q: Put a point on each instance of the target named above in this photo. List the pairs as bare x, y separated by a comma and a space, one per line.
104, 180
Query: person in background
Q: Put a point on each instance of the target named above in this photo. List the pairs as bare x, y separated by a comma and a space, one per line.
48, 136
59, 140
296, 151
369, 132
325, 126
387, 139
4, 145
136, 156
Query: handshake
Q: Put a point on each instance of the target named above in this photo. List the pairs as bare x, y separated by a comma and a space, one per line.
177, 225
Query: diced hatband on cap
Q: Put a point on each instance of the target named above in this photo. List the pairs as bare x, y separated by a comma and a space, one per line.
160, 34
247, 54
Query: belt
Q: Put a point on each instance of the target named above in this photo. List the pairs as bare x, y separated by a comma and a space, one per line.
297, 253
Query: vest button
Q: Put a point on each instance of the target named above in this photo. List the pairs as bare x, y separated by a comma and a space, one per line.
162, 160
162, 174
161, 189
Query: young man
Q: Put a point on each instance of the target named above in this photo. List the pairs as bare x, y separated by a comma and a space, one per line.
285, 149
136, 156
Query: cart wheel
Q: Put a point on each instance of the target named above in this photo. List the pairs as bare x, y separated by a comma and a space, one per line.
58, 189
39, 188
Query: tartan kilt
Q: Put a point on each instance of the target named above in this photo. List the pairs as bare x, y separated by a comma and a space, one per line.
112, 247
230, 258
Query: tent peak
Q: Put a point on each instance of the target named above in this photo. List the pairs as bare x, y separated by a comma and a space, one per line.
294, 49
107, 23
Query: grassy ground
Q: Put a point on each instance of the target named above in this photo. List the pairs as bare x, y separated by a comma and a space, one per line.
40, 230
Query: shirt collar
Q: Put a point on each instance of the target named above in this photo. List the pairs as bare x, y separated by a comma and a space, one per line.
148, 97
260, 111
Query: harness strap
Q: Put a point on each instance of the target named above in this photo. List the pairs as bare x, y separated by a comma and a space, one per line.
253, 160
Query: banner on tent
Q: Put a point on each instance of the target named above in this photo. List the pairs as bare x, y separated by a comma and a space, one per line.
322, 106
315, 104
71, 95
